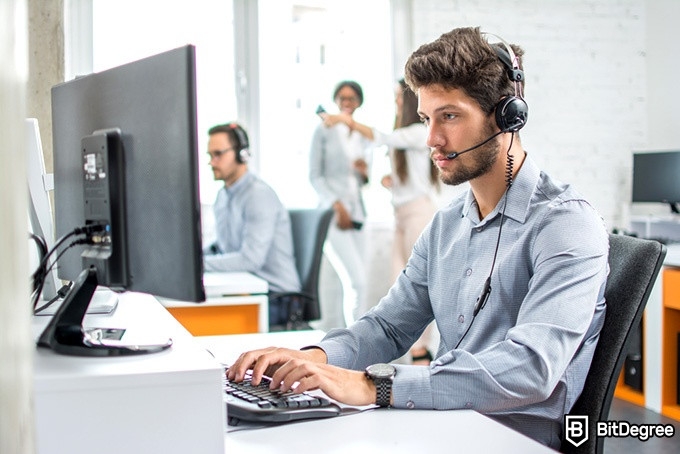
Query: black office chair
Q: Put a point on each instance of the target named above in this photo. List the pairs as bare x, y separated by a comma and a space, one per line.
309, 228
634, 265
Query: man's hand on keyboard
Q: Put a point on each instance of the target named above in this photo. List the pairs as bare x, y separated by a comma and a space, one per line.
343, 385
309, 370
267, 360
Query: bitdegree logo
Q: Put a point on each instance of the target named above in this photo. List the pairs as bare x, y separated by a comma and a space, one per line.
643, 432
576, 427
576, 430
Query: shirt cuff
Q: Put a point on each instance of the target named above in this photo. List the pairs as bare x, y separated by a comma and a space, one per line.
411, 388
335, 352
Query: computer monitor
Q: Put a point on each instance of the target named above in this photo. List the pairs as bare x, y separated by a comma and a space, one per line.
40, 186
656, 178
126, 176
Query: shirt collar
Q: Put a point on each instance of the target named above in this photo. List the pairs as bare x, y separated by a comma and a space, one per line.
519, 195
240, 184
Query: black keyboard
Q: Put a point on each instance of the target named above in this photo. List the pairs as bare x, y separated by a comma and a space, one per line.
259, 404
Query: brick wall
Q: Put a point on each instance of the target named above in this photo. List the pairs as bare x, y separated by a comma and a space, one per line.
600, 84
585, 69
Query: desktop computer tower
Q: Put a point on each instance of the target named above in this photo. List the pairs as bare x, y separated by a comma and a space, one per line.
632, 375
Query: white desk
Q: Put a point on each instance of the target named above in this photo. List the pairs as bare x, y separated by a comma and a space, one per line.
167, 402
235, 303
171, 402
387, 431
236, 283
379, 430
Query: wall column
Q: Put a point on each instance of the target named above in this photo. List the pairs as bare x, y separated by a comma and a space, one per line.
46, 65
16, 344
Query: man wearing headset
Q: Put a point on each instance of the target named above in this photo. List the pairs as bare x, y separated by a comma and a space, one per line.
533, 288
253, 227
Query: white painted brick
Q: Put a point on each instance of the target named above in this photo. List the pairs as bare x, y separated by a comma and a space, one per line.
586, 84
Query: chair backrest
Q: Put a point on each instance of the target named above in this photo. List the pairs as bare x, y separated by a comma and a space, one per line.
634, 264
309, 227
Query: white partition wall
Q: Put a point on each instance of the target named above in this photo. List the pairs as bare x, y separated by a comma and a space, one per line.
16, 347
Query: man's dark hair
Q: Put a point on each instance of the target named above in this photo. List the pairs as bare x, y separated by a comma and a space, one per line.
230, 130
463, 59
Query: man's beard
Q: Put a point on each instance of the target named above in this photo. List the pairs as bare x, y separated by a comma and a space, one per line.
484, 158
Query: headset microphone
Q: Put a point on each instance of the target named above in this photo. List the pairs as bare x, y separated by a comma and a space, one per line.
455, 154
511, 115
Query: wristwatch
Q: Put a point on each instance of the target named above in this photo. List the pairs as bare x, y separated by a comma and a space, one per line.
382, 375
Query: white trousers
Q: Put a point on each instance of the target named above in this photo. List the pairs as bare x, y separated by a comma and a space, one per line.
346, 253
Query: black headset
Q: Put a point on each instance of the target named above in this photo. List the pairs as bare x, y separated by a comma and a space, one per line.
512, 112
241, 147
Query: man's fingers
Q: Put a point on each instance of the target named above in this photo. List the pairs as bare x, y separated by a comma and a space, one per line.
245, 361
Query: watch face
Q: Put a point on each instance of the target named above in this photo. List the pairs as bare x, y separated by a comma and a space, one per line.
381, 370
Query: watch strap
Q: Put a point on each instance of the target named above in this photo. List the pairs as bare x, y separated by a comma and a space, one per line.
383, 390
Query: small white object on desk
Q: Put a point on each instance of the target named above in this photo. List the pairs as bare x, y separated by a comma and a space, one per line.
235, 283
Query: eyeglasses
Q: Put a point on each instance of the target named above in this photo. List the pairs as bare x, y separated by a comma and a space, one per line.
217, 154
352, 99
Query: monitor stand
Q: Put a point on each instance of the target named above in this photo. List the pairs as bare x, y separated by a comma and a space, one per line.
66, 335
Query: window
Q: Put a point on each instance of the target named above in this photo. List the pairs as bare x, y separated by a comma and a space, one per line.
127, 30
306, 47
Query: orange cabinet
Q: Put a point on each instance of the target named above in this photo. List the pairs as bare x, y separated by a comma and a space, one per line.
664, 330
670, 337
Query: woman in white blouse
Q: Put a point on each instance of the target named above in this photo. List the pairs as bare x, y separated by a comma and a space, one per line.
414, 183
338, 169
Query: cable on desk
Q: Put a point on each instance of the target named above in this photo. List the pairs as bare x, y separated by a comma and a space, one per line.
44, 267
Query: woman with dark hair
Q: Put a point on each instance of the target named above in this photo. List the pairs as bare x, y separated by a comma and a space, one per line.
414, 182
338, 169
414, 179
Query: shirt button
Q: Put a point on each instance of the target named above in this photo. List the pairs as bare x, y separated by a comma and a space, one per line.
410, 405
479, 229
468, 405
468, 272
461, 319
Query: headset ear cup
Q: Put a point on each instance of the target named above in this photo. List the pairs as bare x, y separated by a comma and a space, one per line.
242, 145
243, 155
512, 114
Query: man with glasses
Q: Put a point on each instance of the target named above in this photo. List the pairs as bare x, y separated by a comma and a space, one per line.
252, 226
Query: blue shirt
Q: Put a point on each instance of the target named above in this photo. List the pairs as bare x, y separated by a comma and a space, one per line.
525, 358
253, 234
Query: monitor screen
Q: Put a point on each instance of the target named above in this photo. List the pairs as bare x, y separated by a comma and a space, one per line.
126, 171
656, 177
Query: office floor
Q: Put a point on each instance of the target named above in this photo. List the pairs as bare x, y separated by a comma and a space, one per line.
624, 411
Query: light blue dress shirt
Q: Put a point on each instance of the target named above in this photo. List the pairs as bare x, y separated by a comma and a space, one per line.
331, 167
525, 358
253, 234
